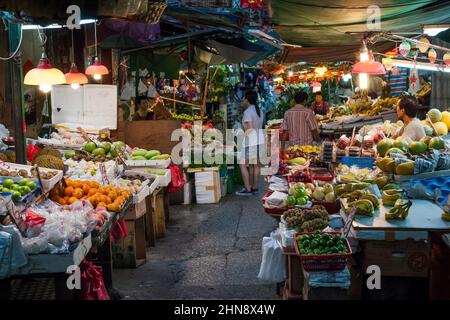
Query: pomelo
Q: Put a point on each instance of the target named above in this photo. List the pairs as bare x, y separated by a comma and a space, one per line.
436, 143
417, 148
384, 145
435, 115
441, 128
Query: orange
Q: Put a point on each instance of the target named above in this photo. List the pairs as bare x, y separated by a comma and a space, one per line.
62, 201
86, 189
112, 195
68, 191
107, 200
92, 191
78, 193
72, 200
69, 182
101, 204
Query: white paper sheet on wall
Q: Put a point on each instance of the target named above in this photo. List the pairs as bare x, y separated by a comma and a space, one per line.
90, 105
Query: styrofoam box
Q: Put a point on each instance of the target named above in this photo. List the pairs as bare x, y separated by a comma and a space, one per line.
207, 187
163, 180
46, 184
141, 195
151, 187
148, 163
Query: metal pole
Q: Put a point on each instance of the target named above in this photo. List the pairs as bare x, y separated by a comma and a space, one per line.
16, 91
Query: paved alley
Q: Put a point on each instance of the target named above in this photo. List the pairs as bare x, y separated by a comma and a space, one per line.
209, 252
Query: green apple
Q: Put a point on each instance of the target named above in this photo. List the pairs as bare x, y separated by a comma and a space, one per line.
31, 185
8, 183
24, 190
16, 187
16, 196
23, 182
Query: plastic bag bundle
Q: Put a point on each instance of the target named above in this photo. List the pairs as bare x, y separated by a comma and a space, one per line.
278, 183
276, 200
423, 165
273, 264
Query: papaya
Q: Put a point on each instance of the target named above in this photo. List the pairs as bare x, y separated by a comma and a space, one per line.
405, 168
386, 165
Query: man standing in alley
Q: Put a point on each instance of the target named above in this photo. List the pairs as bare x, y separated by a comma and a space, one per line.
300, 123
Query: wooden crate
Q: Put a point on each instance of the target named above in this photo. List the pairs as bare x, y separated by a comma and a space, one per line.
406, 258
150, 237
136, 211
130, 252
159, 218
295, 274
288, 294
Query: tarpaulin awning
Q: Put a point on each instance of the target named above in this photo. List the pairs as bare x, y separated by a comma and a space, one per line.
329, 54
313, 23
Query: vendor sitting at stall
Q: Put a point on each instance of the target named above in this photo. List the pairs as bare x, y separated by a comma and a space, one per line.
407, 112
319, 106
142, 109
300, 123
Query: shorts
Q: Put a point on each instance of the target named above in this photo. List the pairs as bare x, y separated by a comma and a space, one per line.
251, 154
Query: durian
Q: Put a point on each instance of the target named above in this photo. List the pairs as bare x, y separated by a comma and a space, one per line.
3, 157
48, 161
48, 151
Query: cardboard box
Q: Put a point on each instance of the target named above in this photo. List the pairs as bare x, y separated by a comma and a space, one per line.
207, 187
406, 258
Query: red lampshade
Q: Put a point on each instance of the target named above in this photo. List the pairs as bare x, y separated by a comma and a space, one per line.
369, 67
75, 77
97, 68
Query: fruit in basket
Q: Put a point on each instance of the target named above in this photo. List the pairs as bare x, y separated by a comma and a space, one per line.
321, 243
327, 188
384, 145
138, 158
90, 147
417, 148
301, 201
435, 115
297, 161
291, 201
152, 153
405, 168
441, 128
436, 143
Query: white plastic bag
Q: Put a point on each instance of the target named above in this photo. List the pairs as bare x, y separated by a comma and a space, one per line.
273, 264
276, 200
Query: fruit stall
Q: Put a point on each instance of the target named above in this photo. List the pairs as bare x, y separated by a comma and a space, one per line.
363, 201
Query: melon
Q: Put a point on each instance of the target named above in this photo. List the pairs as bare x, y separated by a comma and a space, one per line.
446, 118
435, 115
441, 128
402, 143
384, 145
436, 143
417, 148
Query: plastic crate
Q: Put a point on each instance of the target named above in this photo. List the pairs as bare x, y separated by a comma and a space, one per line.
322, 174
361, 162
323, 262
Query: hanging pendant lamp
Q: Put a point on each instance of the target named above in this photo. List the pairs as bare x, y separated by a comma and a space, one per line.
44, 75
96, 69
73, 77
367, 64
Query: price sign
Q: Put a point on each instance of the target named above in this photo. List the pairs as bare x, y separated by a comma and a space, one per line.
103, 174
348, 224
120, 154
16, 217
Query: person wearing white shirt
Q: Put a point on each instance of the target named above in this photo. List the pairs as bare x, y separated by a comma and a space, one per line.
407, 112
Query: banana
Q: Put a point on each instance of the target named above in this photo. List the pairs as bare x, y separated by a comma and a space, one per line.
400, 210
363, 207
372, 198
446, 216
391, 196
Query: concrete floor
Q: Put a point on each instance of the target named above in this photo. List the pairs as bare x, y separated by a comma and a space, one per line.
209, 252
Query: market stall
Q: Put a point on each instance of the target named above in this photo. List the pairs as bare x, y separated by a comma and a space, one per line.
345, 207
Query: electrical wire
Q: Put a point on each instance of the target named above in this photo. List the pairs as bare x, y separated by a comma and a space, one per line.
17, 49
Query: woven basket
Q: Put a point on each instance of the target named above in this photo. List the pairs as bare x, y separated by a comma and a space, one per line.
152, 13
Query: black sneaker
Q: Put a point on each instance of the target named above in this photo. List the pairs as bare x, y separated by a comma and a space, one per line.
244, 192
255, 191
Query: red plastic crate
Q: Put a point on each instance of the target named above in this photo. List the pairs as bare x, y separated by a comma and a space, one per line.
323, 262
322, 174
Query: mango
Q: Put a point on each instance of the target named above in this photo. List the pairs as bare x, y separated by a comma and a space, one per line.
152, 153
139, 153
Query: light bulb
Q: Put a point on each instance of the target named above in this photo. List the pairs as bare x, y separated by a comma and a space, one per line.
97, 76
346, 77
46, 88
75, 86
364, 56
363, 81
290, 74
